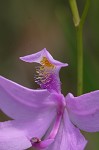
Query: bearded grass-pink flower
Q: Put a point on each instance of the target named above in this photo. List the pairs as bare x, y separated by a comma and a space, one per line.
44, 118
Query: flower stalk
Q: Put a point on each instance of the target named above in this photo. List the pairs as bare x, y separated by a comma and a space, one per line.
79, 22
79, 60
75, 12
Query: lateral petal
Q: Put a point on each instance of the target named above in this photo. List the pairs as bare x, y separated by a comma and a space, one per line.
12, 138
84, 110
19, 102
18, 133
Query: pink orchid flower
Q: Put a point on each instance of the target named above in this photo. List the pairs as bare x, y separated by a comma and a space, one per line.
44, 118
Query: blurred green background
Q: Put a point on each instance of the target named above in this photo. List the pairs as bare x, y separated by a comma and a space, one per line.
29, 26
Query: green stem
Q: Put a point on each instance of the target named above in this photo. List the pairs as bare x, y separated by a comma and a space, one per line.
80, 49
74, 9
79, 27
79, 61
85, 11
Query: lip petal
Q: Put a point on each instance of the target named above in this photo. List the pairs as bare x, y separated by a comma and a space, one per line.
48, 72
37, 57
48, 78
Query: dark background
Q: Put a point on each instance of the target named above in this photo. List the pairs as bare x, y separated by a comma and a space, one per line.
29, 26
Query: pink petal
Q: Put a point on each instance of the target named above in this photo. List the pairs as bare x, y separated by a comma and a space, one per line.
12, 138
47, 74
37, 57
84, 110
20, 102
18, 133
68, 137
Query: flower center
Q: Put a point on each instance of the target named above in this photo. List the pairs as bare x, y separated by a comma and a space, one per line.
47, 75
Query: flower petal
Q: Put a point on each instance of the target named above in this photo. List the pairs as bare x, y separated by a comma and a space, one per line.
37, 57
18, 133
47, 74
68, 137
84, 110
12, 138
19, 102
